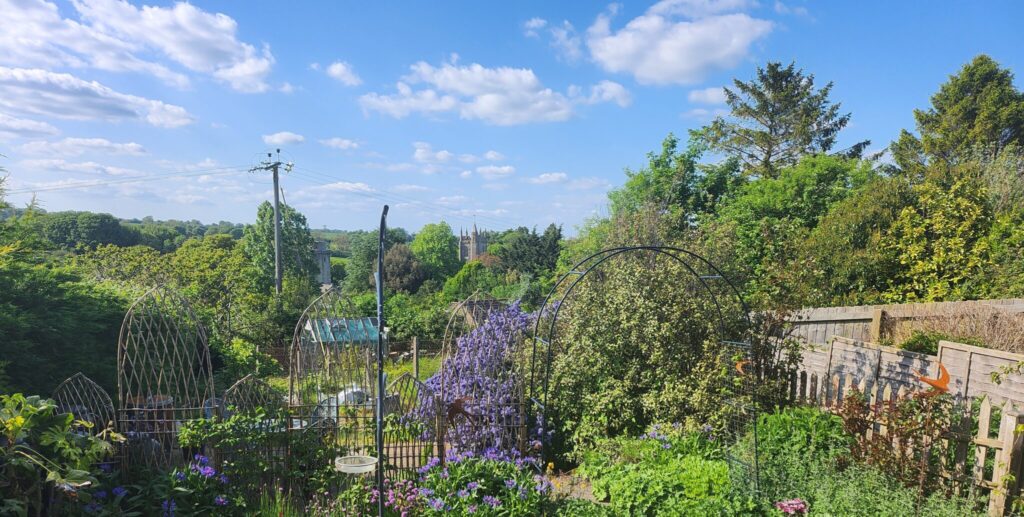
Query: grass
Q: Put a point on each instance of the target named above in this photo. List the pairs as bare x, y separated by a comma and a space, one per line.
428, 367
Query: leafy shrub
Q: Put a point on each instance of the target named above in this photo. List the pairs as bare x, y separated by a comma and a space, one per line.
911, 448
490, 484
582, 508
788, 443
242, 441
923, 342
41, 449
639, 348
666, 471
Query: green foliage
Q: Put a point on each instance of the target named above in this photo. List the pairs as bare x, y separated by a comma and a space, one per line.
940, 243
473, 276
788, 442
486, 485
663, 473
524, 251
41, 448
402, 272
979, 106
924, 342
437, 248
775, 119
296, 244
638, 349
55, 324
421, 315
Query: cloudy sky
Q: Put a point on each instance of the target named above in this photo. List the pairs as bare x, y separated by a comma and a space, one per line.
502, 113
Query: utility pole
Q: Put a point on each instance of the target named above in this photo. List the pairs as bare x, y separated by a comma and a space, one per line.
274, 166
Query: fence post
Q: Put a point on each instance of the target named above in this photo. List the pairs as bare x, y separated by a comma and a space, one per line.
415, 358
877, 316
1008, 462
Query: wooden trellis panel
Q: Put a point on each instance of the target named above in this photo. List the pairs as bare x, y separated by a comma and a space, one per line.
164, 378
87, 401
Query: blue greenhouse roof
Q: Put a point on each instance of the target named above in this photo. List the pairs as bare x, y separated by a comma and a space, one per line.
344, 331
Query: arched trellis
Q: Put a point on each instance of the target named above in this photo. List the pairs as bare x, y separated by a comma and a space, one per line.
481, 383
87, 401
332, 370
250, 393
744, 362
164, 377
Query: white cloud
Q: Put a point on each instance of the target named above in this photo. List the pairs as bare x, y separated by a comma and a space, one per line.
452, 200
492, 172
782, 8
494, 156
549, 177
340, 143
501, 96
713, 95
704, 113
342, 72
425, 153
531, 26
283, 138
567, 42
78, 146
66, 96
677, 41
60, 165
22, 127
589, 184
346, 186
117, 36
286, 88
609, 91
406, 187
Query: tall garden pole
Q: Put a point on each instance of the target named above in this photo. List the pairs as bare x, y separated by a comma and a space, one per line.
380, 362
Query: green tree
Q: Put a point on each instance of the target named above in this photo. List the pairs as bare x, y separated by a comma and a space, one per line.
473, 276
940, 243
437, 248
775, 119
668, 181
402, 272
297, 257
977, 107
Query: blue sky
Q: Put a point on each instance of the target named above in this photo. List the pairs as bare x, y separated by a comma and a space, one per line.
499, 113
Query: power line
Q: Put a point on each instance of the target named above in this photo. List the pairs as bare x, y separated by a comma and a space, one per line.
275, 165
442, 210
132, 179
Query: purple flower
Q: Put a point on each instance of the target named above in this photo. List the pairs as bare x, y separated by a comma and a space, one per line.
119, 491
666, 445
471, 509
220, 501
102, 494
493, 501
473, 485
223, 479
106, 467
510, 483
207, 472
169, 507
201, 460
93, 508
426, 492
437, 504
180, 476
463, 493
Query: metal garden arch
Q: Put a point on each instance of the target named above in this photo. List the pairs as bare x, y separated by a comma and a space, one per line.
746, 370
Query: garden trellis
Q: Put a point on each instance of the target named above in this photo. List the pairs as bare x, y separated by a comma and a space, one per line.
85, 399
735, 348
164, 377
481, 381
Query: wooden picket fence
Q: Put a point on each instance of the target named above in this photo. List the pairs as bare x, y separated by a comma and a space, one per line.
989, 425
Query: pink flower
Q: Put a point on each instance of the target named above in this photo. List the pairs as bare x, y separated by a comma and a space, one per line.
792, 506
